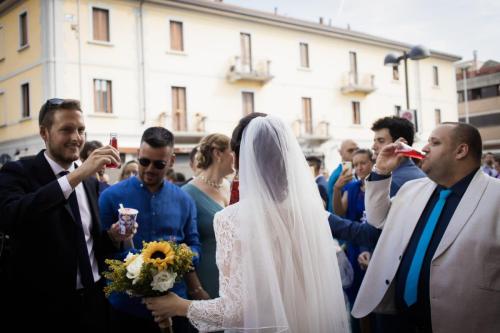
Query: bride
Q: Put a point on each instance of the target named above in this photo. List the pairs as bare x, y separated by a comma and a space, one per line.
275, 253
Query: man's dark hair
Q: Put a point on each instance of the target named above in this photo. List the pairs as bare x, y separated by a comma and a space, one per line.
468, 134
46, 115
497, 158
192, 154
238, 131
158, 137
315, 161
88, 148
398, 128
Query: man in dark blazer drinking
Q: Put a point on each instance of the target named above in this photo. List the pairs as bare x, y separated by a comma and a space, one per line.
48, 205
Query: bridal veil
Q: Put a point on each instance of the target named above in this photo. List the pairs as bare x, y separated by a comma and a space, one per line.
290, 278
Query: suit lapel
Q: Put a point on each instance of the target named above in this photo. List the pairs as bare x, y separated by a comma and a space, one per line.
44, 174
417, 205
462, 214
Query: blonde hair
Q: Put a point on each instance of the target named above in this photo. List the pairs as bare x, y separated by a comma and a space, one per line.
204, 157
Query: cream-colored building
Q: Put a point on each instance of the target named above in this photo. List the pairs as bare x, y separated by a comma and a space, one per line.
197, 67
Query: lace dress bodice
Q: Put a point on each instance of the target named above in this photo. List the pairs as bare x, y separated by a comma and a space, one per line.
209, 315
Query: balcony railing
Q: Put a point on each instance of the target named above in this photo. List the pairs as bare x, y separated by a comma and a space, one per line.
310, 135
357, 83
241, 71
192, 133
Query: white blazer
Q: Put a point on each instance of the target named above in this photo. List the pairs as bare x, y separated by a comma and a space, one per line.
465, 270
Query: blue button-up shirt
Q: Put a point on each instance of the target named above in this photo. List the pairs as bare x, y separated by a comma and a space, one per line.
168, 214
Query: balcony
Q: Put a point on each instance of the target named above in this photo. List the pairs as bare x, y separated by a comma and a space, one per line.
480, 105
357, 83
186, 131
309, 136
240, 71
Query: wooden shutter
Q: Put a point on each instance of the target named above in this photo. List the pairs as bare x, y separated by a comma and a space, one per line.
176, 36
100, 20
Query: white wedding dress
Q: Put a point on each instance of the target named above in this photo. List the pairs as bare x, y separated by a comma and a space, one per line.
278, 269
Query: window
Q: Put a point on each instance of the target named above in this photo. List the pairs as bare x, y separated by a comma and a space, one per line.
437, 116
2, 43
246, 52
176, 36
248, 104
356, 113
353, 61
179, 114
304, 55
461, 97
25, 100
100, 24
307, 115
397, 110
23, 29
395, 73
435, 75
3, 110
489, 91
102, 96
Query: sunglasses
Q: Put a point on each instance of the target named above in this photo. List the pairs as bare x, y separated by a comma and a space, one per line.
158, 164
50, 104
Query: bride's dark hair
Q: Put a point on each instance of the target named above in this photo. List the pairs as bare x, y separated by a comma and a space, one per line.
238, 134
268, 148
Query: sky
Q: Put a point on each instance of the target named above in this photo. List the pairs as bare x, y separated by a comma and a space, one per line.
452, 26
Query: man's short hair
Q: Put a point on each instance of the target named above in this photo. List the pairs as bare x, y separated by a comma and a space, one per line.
315, 161
367, 152
46, 114
158, 137
192, 154
88, 148
238, 131
398, 128
468, 134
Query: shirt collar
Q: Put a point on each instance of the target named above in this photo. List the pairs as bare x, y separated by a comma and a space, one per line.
461, 186
56, 168
139, 183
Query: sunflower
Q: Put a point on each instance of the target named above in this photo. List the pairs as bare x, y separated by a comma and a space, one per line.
160, 254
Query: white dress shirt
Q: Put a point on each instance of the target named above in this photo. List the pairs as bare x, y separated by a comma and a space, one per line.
85, 215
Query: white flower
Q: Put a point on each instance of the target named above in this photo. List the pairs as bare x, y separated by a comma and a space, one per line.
134, 267
163, 281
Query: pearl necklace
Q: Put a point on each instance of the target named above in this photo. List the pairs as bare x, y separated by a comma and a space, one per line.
209, 182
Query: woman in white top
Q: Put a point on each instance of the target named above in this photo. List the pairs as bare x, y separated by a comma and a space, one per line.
278, 270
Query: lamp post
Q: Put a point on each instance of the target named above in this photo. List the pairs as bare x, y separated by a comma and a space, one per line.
416, 53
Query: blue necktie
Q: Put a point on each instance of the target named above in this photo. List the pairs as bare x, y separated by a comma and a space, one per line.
84, 266
411, 286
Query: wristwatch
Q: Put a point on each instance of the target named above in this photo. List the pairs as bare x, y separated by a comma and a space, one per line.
380, 172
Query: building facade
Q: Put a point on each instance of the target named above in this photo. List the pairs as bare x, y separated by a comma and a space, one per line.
481, 106
196, 67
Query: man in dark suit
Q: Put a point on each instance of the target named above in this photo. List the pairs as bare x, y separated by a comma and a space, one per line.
49, 207
315, 164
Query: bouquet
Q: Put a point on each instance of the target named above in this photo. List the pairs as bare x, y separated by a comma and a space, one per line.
150, 273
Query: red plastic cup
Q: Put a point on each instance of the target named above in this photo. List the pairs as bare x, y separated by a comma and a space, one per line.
408, 151
113, 141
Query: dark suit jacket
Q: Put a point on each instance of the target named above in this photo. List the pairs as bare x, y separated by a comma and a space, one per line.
39, 219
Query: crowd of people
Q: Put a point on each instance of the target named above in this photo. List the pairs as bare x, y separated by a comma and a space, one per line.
421, 236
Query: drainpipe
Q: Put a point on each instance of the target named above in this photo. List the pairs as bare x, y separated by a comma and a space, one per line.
142, 69
79, 39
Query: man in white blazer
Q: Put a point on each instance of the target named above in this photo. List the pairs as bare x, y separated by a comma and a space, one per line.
437, 262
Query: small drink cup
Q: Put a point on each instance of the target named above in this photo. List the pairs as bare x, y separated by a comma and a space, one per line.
408, 151
127, 218
235, 191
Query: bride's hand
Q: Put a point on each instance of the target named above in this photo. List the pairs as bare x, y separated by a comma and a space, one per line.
164, 307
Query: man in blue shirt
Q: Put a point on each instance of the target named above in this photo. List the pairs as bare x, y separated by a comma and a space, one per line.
165, 212
347, 149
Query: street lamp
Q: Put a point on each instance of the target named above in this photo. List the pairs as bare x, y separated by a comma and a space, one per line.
416, 53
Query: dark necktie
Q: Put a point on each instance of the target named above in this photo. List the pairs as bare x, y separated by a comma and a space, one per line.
86, 275
411, 287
